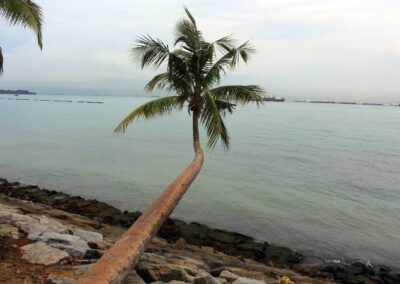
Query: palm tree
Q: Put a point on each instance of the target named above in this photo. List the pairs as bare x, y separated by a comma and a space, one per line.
194, 69
22, 12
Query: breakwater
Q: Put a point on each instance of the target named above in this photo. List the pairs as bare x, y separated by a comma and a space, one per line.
231, 243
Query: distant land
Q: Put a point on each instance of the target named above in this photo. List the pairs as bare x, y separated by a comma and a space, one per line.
345, 103
16, 92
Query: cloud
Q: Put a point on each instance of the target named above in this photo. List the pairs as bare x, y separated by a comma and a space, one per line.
306, 48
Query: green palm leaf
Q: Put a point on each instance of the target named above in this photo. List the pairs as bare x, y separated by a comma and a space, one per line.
149, 51
239, 94
23, 12
213, 122
1, 62
157, 107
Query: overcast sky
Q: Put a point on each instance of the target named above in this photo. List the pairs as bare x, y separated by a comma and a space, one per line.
307, 49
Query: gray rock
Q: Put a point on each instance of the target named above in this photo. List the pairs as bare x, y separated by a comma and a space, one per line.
153, 258
56, 279
243, 280
180, 244
87, 235
229, 276
93, 254
205, 278
99, 244
222, 280
35, 229
187, 262
36, 226
10, 217
40, 253
73, 245
49, 221
83, 269
133, 278
6, 208
151, 272
11, 232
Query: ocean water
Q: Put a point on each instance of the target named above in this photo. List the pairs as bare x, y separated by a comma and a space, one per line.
323, 179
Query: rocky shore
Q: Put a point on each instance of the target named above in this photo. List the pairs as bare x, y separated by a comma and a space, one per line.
41, 239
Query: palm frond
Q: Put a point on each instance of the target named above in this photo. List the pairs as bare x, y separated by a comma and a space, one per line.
228, 60
1, 61
187, 34
224, 107
180, 76
149, 51
212, 121
24, 12
238, 94
225, 43
190, 16
244, 52
157, 107
159, 81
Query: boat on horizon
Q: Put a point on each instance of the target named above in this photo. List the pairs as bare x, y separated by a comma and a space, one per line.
273, 99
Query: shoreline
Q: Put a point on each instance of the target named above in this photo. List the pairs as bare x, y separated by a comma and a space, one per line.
194, 233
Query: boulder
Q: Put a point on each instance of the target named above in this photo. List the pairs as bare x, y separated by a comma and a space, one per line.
57, 279
153, 258
205, 278
286, 280
49, 221
191, 265
6, 208
240, 272
151, 272
73, 245
251, 250
99, 244
133, 278
34, 228
11, 232
87, 235
180, 244
222, 236
82, 269
222, 280
40, 253
38, 225
282, 256
10, 217
229, 276
93, 254
243, 280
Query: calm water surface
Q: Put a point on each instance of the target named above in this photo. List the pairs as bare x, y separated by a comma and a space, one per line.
324, 179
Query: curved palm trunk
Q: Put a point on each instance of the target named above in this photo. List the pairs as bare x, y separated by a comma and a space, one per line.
119, 260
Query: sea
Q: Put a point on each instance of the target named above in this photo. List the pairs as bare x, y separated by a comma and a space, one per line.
323, 179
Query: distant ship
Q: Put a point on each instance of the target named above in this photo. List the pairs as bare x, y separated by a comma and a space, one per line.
273, 99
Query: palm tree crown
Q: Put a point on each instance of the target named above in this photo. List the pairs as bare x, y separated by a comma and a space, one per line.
194, 69
22, 12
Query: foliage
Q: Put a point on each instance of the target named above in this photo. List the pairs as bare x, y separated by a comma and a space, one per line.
194, 69
22, 12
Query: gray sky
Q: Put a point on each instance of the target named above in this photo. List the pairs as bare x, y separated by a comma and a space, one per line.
342, 49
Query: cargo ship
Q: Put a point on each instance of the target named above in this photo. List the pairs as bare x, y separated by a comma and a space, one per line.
273, 99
